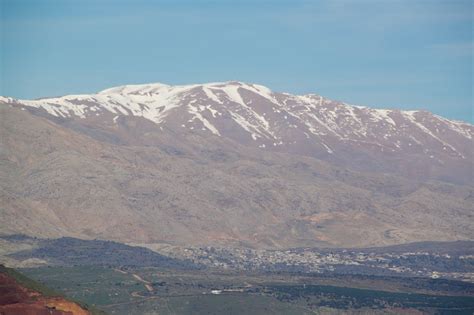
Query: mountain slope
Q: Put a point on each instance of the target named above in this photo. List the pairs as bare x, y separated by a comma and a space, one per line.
22, 295
95, 172
351, 136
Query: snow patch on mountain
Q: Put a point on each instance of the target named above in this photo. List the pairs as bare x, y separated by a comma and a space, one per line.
270, 119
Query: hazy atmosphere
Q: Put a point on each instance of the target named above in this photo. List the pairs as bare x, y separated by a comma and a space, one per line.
389, 54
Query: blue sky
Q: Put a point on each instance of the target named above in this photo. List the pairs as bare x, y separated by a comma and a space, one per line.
388, 54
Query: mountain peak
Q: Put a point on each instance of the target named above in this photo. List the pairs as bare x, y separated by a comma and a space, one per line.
133, 88
148, 88
254, 115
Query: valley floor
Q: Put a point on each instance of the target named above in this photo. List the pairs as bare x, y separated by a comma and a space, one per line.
150, 290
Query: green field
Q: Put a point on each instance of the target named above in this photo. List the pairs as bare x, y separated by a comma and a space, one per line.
162, 291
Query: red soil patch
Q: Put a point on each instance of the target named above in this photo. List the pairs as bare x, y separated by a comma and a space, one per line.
18, 300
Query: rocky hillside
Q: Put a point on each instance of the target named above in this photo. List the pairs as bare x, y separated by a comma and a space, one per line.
252, 115
232, 164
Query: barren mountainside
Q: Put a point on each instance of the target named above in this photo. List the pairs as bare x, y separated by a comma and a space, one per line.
232, 164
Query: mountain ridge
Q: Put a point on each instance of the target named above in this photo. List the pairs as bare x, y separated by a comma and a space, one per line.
148, 87
123, 177
253, 115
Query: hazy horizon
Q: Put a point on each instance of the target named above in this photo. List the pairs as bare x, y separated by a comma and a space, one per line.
400, 54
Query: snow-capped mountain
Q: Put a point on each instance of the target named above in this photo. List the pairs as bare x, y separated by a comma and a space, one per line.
232, 164
253, 115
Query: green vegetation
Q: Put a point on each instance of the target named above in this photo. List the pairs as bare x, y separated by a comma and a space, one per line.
352, 298
46, 291
163, 291
28, 282
214, 304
